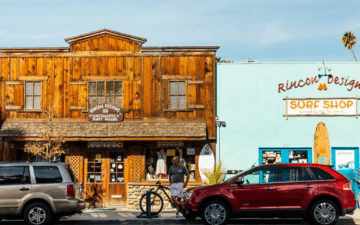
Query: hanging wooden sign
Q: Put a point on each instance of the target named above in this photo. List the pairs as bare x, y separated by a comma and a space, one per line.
166, 144
106, 113
321, 107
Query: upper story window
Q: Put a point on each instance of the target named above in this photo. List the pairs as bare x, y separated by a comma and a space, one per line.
177, 95
101, 92
33, 95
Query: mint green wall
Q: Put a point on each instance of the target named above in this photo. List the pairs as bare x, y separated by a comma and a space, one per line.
249, 102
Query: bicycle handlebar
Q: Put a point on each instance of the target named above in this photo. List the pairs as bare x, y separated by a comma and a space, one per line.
158, 182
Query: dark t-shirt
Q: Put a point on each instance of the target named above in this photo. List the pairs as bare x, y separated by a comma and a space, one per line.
177, 173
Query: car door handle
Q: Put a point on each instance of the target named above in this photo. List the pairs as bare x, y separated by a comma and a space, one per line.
24, 189
269, 187
309, 186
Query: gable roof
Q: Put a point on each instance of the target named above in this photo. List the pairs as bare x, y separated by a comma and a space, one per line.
104, 31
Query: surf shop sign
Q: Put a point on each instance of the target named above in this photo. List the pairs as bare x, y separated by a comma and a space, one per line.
321, 107
106, 113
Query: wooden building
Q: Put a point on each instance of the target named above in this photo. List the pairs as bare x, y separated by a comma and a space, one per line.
166, 96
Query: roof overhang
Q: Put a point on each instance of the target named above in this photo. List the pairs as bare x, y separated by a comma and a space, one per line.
123, 131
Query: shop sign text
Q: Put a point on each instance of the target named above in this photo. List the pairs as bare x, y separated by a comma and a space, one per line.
105, 144
106, 113
321, 107
331, 79
166, 144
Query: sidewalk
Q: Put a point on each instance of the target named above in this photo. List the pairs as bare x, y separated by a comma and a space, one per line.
355, 216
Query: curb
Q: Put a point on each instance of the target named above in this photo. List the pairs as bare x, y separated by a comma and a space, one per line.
123, 210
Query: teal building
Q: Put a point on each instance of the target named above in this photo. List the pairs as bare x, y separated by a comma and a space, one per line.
272, 107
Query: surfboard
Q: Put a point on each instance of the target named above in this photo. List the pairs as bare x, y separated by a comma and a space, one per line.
206, 161
321, 145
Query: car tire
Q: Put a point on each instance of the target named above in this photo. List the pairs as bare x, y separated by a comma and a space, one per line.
215, 212
323, 212
37, 214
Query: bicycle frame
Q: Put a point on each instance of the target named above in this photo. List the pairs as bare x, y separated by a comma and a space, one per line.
163, 189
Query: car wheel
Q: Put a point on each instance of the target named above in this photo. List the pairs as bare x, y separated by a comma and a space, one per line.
37, 214
324, 212
215, 213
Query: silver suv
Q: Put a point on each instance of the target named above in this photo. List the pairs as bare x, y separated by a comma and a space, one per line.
38, 192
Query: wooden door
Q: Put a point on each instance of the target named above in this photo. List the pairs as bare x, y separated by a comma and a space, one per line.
95, 172
117, 186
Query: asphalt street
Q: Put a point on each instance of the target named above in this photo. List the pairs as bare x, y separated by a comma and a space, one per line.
168, 218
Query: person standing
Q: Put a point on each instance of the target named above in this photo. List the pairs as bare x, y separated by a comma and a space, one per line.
176, 179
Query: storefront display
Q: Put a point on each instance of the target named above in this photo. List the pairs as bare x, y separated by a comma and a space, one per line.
116, 168
298, 157
285, 155
94, 168
271, 157
158, 162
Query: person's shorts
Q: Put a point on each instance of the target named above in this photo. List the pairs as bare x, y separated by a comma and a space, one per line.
176, 189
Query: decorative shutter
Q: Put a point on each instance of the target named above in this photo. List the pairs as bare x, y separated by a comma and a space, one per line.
194, 89
14, 95
82, 100
132, 98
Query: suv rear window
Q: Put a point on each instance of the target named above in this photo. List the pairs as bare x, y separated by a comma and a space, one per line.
47, 174
294, 174
320, 174
14, 175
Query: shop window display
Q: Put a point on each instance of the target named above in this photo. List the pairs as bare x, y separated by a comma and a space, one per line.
271, 157
298, 156
158, 162
94, 168
116, 168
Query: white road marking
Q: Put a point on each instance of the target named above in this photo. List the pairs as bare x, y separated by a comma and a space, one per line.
127, 215
96, 215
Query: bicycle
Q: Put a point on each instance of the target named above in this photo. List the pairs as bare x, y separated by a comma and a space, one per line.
156, 201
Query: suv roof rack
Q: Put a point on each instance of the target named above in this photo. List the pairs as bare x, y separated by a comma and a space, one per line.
20, 161
27, 161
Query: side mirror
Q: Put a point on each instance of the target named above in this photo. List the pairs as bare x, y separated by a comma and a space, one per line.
239, 180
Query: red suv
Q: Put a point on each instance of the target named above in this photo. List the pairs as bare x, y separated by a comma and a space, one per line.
316, 193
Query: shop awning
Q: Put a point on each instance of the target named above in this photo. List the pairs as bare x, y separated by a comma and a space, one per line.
85, 130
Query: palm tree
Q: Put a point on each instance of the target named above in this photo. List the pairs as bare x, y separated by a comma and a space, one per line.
349, 41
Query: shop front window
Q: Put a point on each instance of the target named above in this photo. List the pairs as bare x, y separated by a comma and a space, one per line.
158, 162
94, 168
101, 92
177, 95
298, 156
271, 157
117, 168
33, 95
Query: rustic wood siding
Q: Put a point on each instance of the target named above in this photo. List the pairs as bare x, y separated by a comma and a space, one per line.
145, 80
105, 43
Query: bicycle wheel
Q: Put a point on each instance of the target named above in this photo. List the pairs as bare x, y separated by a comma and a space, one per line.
156, 203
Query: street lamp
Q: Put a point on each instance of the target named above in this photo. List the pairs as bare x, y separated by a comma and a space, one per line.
219, 124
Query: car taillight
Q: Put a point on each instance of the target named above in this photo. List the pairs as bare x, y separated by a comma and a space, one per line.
347, 187
71, 191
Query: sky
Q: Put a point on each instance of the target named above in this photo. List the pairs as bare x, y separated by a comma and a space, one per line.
263, 30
